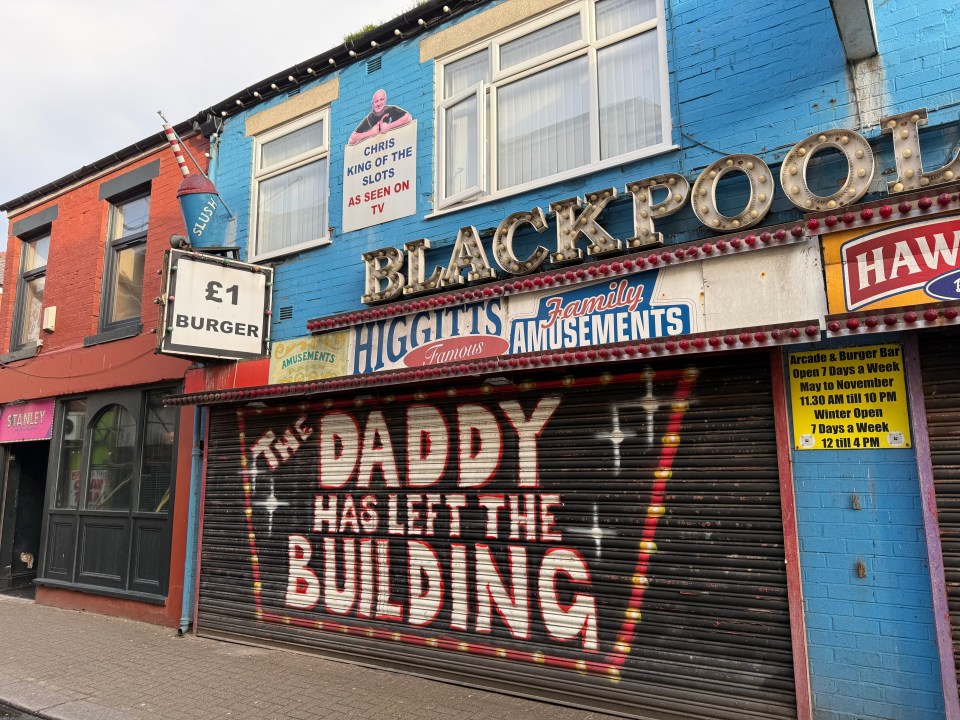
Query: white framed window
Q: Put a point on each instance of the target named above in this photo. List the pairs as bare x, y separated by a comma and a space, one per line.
290, 187
580, 88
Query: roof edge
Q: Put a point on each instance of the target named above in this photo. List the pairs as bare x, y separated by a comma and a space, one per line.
151, 142
412, 22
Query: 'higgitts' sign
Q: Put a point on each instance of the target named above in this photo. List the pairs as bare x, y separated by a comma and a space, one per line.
895, 265
653, 304
667, 302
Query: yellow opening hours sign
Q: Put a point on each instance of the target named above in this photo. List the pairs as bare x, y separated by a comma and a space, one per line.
849, 399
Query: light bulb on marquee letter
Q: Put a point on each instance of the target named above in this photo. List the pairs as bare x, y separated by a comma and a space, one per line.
905, 129
503, 251
416, 264
859, 155
467, 252
761, 193
383, 265
570, 226
645, 210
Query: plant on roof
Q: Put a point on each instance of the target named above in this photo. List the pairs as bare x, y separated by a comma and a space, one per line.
350, 37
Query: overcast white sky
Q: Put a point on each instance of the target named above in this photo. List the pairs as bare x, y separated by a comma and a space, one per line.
82, 79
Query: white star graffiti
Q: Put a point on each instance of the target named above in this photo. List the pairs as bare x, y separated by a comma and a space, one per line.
271, 504
616, 436
649, 404
595, 532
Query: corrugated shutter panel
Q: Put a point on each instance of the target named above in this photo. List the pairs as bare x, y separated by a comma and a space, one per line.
941, 389
653, 584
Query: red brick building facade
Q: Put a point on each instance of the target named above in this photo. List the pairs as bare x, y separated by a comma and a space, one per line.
97, 498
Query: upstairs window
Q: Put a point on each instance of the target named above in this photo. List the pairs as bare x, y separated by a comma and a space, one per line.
28, 306
290, 187
583, 86
123, 267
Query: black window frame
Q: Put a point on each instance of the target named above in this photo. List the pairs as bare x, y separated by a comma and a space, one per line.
24, 277
106, 326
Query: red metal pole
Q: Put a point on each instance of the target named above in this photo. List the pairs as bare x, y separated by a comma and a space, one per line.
931, 526
788, 509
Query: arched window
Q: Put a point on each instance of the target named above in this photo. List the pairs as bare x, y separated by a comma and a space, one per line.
113, 438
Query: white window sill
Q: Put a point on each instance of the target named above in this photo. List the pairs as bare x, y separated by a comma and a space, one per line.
293, 249
562, 177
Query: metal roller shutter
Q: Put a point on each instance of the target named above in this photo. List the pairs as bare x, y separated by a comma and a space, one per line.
617, 545
941, 389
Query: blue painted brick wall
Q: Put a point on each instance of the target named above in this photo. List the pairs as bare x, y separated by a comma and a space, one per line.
872, 644
744, 77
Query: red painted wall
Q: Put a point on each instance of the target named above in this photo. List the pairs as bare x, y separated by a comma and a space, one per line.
249, 373
63, 366
122, 363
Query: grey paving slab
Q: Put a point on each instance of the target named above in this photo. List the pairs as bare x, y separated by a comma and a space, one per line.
69, 665
84, 710
36, 696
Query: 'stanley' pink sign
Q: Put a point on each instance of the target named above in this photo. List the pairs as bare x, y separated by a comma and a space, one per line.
27, 421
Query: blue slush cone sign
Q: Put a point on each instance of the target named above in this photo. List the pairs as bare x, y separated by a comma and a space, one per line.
206, 218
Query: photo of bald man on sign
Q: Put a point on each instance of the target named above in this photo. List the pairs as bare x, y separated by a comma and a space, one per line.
383, 118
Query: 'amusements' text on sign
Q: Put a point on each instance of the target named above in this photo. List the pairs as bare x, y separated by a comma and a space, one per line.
849, 399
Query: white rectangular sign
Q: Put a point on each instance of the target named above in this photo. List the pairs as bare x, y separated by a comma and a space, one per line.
216, 307
380, 178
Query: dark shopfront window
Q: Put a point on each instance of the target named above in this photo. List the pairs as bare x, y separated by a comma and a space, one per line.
108, 524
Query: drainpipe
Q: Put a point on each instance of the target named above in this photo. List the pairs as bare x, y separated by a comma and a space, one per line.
193, 518
196, 485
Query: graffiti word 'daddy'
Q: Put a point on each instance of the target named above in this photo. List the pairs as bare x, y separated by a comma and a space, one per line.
391, 272
405, 537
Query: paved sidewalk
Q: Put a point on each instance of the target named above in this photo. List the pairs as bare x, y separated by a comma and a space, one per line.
70, 665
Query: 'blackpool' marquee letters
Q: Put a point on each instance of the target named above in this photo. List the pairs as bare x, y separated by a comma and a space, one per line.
576, 218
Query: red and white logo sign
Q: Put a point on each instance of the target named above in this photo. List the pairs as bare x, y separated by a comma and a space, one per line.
899, 259
455, 349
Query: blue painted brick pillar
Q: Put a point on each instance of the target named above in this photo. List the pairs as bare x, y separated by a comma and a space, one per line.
871, 640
